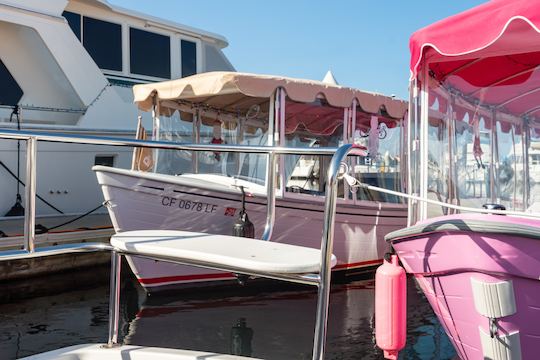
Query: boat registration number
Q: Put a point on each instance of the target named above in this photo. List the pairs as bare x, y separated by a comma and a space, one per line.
188, 205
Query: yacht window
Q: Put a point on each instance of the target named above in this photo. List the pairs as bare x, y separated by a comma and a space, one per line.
150, 53
10, 92
189, 58
105, 160
103, 41
74, 21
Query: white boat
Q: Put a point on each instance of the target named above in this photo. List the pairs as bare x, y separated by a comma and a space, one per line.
203, 192
66, 76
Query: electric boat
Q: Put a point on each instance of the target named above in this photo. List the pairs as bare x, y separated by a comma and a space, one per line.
68, 67
207, 191
473, 238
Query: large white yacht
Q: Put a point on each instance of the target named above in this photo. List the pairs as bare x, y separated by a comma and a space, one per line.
68, 66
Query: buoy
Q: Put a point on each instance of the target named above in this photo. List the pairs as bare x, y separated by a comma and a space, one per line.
390, 307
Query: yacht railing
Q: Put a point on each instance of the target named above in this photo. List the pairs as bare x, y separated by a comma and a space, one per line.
321, 279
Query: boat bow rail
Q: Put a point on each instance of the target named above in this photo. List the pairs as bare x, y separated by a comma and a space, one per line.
253, 257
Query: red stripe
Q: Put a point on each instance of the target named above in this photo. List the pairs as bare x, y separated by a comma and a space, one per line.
165, 279
359, 264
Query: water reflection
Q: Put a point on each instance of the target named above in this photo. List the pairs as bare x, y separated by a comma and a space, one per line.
259, 320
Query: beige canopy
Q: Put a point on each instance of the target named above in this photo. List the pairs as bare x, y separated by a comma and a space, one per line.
232, 91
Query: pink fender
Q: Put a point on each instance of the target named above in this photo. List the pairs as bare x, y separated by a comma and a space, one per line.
391, 308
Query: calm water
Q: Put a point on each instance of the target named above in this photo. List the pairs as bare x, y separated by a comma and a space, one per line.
264, 321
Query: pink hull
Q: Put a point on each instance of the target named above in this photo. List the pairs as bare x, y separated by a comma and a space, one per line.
447, 262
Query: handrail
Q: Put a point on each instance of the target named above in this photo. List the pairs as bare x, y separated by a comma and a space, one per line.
116, 141
327, 244
322, 279
32, 137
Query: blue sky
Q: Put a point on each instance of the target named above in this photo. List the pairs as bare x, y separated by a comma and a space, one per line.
364, 42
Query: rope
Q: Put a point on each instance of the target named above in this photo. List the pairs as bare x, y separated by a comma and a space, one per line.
20, 182
354, 183
77, 218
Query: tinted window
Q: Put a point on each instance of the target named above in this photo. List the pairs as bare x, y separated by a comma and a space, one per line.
10, 91
103, 41
189, 58
74, 21
150, 53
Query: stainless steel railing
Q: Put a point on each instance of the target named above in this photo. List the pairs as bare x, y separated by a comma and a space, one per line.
322, 279
32, 137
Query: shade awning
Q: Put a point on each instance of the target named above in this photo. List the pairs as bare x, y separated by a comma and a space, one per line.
230, 91
488, 56
491, 29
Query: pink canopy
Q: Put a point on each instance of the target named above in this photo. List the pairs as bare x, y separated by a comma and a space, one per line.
495, 28
490, 55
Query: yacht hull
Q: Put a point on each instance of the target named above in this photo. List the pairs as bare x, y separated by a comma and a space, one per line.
482, 285
138, 201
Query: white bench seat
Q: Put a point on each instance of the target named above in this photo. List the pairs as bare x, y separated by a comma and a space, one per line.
240, 254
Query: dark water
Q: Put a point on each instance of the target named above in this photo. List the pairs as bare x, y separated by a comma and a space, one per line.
261, 320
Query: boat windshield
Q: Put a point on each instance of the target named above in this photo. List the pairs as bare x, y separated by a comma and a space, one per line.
483, 133
312, 123
321, 125
181, 128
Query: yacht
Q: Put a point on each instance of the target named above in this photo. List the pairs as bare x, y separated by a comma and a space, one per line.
68, 67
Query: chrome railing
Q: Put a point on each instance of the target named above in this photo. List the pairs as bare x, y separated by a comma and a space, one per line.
322, 279
32, 137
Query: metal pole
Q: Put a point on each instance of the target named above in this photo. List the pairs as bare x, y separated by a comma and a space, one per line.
494, 163
271, 162
30, 195
114, 299
319, 342
196, 139
270, 196
424, 143
280, 127
526, 131
156, 129
169, 145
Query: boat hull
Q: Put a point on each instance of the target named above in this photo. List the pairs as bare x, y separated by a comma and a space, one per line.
482, 286
149, 201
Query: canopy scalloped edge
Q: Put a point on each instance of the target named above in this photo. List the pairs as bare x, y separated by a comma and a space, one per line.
199, 87
463, 22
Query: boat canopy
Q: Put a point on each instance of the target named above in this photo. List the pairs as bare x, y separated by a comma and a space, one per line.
488, 55
475, 81
233, 92
495, 28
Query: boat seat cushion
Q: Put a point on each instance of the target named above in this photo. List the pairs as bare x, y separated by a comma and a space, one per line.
236, 253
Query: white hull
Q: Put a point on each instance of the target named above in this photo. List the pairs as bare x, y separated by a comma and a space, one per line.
139, 201
100, 351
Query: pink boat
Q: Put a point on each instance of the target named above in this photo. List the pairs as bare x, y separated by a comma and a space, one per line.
473, 238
